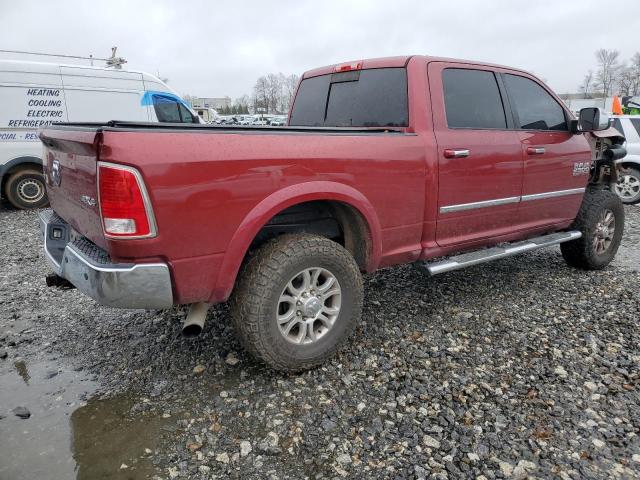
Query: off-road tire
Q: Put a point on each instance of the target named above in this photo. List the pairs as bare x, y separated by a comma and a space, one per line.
31, 179
581, 253
261, 281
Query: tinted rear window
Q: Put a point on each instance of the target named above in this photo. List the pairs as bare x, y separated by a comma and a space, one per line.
365, 98
472, 99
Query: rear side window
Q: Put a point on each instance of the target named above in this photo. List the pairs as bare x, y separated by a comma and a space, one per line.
536, 109
362, 98
636, 124
472, 99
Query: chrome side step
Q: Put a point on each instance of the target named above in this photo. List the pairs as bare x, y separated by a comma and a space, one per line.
502, 251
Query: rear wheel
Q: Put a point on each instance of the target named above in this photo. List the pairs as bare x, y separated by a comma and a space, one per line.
26, 189
601, 221
628, 186
297, 300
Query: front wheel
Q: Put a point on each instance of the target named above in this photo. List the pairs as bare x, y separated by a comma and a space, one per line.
297, 300
601, 221
628, 186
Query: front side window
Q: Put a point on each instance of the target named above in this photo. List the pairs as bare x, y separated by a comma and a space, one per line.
535, 107
169, 111
472, 99
360, 98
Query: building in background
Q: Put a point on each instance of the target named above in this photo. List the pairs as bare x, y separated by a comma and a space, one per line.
217, 103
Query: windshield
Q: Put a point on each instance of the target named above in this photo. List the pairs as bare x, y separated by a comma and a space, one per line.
362, 98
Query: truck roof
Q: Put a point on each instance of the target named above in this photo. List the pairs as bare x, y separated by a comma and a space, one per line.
398, 61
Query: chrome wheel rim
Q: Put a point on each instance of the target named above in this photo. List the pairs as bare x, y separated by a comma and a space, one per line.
628, 187
30, 190
605, 230
309, 306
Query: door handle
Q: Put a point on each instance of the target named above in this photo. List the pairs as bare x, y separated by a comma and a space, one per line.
535, 150
457, 153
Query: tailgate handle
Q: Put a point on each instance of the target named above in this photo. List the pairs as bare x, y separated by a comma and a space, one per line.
535, 150
456, 153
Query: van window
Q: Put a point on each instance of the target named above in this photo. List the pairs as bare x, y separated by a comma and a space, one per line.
170, 111
472, 99
360, 98
535, 107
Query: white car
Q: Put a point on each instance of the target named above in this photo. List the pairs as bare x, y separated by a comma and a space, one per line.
628, 187
36, 94
278, 121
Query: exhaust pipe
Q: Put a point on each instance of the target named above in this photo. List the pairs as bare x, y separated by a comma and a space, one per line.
194, 322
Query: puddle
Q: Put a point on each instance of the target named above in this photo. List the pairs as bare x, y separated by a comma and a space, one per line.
66, 437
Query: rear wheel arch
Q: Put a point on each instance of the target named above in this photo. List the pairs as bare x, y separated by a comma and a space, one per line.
357, 218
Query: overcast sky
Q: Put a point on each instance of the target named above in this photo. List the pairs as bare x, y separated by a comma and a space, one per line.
216, 48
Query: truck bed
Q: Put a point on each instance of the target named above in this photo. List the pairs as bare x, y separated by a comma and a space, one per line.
212, 187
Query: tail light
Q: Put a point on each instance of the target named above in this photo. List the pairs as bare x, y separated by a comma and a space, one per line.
124, 203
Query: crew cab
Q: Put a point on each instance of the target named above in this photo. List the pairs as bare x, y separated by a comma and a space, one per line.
448, 163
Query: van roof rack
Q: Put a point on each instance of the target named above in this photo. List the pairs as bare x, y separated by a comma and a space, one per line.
112, 61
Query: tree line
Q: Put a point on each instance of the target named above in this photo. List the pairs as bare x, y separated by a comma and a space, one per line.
612, 75
271, 94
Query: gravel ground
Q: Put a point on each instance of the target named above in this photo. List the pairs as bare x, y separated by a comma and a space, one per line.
523, 368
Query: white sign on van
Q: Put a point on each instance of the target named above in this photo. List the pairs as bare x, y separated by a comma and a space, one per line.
27, 109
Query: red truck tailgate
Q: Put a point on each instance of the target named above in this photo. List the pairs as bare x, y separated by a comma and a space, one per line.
70, 167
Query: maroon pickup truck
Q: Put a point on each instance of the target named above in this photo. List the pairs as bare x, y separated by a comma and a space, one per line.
444, 162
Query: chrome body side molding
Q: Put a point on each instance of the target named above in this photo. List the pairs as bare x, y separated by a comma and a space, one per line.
485, 203
504, 201
558, 193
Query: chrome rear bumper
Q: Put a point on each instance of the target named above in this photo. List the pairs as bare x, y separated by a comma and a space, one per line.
89, 268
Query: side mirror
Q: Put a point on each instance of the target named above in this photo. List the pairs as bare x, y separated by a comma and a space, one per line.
593, 119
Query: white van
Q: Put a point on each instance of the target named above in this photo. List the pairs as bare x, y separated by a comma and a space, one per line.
34, 94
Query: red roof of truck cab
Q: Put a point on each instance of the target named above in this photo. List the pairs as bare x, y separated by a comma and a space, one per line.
382, 62
399, 61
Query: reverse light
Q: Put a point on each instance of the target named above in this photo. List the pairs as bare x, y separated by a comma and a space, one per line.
124, 204
347, 67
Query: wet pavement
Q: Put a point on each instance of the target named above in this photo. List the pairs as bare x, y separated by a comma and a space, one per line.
114, 395
69, 434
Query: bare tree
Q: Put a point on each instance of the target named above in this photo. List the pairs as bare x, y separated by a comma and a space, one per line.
261, 94
608, 70
290, 83
587, 84
274, 89
633, 75
273, 92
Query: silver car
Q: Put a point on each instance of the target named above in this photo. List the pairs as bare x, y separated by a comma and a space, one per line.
628, 187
